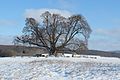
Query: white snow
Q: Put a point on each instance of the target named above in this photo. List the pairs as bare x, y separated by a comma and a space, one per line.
51, 68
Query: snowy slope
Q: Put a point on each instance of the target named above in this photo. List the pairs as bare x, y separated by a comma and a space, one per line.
26, 68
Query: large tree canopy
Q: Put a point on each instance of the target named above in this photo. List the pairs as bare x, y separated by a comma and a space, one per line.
55, 32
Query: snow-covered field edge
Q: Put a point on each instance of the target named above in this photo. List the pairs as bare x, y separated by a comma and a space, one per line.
60, 68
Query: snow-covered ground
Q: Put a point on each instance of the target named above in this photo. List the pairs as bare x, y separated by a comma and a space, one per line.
83, 68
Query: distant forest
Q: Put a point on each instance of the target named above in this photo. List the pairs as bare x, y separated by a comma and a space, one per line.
11, 50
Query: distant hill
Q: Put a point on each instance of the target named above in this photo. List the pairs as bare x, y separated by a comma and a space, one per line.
116, 52
12, 50
101, 53
19, 50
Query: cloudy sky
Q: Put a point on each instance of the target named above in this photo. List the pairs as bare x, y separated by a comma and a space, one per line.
102, 15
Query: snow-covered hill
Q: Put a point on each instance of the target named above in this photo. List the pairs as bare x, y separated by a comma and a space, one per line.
32, 68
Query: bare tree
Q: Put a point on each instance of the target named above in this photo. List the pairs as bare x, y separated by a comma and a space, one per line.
55, 32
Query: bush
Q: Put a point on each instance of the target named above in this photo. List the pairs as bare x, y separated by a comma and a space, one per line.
7, 53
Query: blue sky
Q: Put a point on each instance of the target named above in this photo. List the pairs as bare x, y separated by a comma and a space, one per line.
102, 15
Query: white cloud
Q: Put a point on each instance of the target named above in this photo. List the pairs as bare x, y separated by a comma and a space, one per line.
6, 39
35, 13
104, 44
7, 22
113, 32
105, 39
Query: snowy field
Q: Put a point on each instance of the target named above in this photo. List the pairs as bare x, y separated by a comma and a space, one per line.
32, 68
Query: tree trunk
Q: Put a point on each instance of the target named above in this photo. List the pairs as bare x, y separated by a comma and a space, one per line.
52, 51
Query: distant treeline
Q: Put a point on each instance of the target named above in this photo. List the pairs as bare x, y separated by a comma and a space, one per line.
11, 50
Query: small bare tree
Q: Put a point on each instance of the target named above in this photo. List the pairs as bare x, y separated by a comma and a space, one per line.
55, 32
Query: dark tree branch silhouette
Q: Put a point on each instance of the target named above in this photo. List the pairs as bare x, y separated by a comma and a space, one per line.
55, 32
